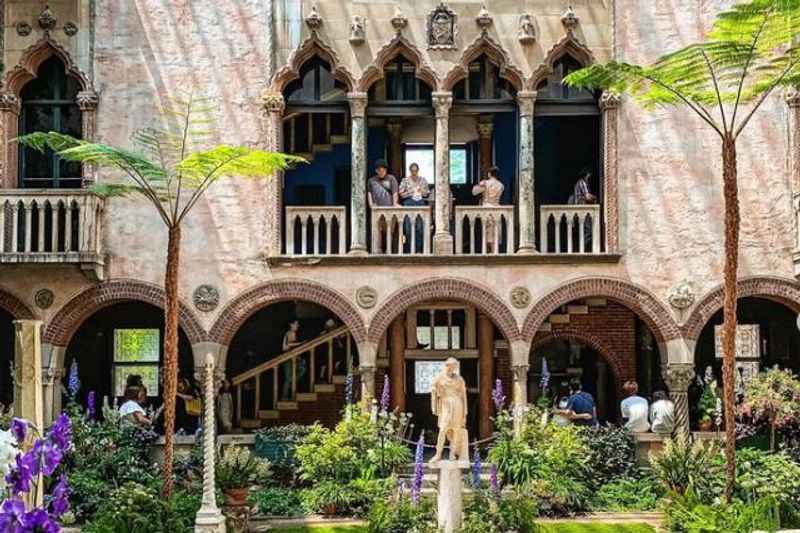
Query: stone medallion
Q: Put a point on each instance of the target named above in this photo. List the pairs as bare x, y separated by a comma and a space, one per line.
442, 28
23, 29
70, 28
366, 297
206, 298
681, 296
43, 298
520, 297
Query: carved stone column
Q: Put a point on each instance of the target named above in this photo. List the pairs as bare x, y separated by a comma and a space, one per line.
609, 104
678, 377
28, 400
209, 519
793, 101
486, 374
527, 201
87, 102
358, 166
485, 128
367, 374
395, 130
51, 391
442, 239
274, 107
520, 393
9, 122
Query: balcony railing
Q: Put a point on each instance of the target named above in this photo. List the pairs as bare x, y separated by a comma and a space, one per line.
401, 230
484, 230
43, 226
315, 230
570, 229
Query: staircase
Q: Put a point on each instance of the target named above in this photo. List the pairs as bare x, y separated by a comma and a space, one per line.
308, 373
563, 315
308, 135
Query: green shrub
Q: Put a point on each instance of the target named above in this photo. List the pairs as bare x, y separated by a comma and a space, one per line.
686, 513
400, 515
628, 494
510, 511
278, 501
238, 468
354, 498
612, 454
760, 474
682, 465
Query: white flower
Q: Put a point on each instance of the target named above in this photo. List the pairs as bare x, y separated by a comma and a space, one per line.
8, 453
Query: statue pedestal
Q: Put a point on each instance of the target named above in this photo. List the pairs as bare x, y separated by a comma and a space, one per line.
449, 503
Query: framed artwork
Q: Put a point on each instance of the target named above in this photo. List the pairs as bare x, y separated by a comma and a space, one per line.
748, 341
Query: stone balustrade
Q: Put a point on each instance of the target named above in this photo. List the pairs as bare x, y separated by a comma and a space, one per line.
315, 230
401, 230
570, 229
484, 229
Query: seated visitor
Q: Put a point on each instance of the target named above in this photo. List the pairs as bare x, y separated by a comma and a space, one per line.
132, 411
560, 405
490, 190
225, 407
662, 413
634, 409
414, 191
188, 407
581, 409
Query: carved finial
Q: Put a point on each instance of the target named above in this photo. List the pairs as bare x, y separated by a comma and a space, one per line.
793, 97
399, 21
357, 30
47, 21
314, 20
569, 19
609, 100
484, 19
527, 31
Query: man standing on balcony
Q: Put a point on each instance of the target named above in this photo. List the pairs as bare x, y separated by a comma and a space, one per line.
581, 195
414, 191
382, 191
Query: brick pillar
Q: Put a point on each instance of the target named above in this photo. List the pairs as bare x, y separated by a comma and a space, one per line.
28, 394
609, 103
397, 339
485, 128
678, 377
602, 370
486, 373
395, 130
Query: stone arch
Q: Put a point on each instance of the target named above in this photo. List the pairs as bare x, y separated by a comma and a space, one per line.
33, 57
568, 45
637, 299
780, 290
14, 306
484, 44
312, 46
243, 306
444, 288
69, 318
398, 45
586, 338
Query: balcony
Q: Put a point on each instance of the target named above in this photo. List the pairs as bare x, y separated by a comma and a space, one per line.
52, 227
570, 229
484, 230
401, 230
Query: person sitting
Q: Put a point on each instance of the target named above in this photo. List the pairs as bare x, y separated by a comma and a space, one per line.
187, 407
132, 411
560, 405
580, 409
634, 409
662, 413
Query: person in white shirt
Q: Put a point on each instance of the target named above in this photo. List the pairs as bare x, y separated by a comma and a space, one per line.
132, 410
662, 413
634, 409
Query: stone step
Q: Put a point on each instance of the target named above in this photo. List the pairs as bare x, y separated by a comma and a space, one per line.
559, 319
306, 397
269, 414
596, 302
578, 309
325, 388
287, 406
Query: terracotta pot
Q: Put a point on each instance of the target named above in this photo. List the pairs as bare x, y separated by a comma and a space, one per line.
329, 510
706, 425
237, 497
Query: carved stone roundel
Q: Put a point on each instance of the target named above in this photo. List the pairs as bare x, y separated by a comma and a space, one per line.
206, 298
366, 297
23, 29
520, 297
43, 298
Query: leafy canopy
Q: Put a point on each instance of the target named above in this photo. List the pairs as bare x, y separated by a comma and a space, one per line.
171, 166
749, 51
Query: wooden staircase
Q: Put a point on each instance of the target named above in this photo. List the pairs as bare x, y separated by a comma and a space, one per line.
310, 134
564, 314
307, 373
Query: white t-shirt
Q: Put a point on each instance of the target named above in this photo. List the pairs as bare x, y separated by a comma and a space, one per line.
130, 407
662, 416
634, 408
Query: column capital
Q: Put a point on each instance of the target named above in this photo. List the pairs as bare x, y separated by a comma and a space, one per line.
485, 129
526, 101
442, 101
273, 102
87, 100
678, 376
9, 102
793, 97
520, 372
609, 101
358, 103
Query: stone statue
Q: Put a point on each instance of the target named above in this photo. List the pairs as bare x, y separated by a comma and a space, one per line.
527, 31
449, 404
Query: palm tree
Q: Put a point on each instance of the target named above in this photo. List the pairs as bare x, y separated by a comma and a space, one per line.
749, 52
171, 167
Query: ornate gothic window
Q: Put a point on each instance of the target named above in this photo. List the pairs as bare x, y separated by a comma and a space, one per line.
48, 104
316, 84
553, 87
483, 82
400, 83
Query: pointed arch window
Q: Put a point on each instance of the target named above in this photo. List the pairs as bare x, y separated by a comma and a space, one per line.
553, 90
48, 103
483, 82
400, 83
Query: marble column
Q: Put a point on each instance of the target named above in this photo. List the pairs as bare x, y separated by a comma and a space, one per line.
526, 204
609, 104
51, 391
486, 374
9, 122
520, 393
678, 377
274, 107
28, 398
87, 102
367, 374
485, 128
442, 239
397, 348
209, 519
358, 166
394, 128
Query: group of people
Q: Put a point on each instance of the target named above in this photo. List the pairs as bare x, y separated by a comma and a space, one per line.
573, 405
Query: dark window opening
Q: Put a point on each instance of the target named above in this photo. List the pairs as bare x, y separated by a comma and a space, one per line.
316, 84
483, 82
400, 83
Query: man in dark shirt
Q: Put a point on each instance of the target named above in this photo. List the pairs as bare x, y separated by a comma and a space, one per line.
383, 191
581, 408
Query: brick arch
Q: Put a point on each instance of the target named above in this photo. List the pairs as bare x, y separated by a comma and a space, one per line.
33, 57
444, 288
243, 306
69, 318
484, 44
14, 306
586, 338
637, 299
398, 45
312, 46
780, 290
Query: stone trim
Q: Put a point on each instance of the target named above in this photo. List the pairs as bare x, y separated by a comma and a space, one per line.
445, 288
397, 45
637, 299
14, 306
609, 106
312, 46
484, 44
587, 338
33, 57
243, 306
71, 316
783, 291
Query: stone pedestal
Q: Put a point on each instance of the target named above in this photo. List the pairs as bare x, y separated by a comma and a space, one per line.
450, 500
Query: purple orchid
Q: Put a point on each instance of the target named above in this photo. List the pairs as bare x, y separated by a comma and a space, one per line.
386, 395
498, 397
419, 470
19, 428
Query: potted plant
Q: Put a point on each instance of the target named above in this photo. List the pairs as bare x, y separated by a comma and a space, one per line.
237, 470
708, 405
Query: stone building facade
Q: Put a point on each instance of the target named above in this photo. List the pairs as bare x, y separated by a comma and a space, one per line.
633, 279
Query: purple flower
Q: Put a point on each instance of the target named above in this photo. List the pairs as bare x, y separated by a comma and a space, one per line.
494, 483
90, 405
19, 428
59, 504
498, 397
386, 395
348, 389
50, 456
12, 516
544, 382
61, 431
22, 472
476, 469
419, 470
39, 521
73, 382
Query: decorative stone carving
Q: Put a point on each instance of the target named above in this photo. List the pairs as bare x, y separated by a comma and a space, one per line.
206, 298
23, 29
273, 102
609, 101
520, 297
43, 298
314, 19
484, 19
748, 341
366, 297
527, 30
449, 405
9, 102
570, 20
442, 28
681, 297
793, 97
678, 377
87, 100
358, 33
399, 21
70, 28
47, 21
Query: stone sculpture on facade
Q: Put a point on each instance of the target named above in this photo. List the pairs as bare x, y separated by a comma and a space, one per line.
570, 20
484, 19
358, 33
442, 28
399, 21
527, 31
314, 19
449, 404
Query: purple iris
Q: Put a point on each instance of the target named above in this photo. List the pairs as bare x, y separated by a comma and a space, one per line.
59, 504
60, 432
19, 428
419, 471
493, 481
348, 389
498, 397
476, 469
90, 405
386, 395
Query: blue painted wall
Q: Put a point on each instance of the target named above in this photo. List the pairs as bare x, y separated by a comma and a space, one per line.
506, 153
321, 171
